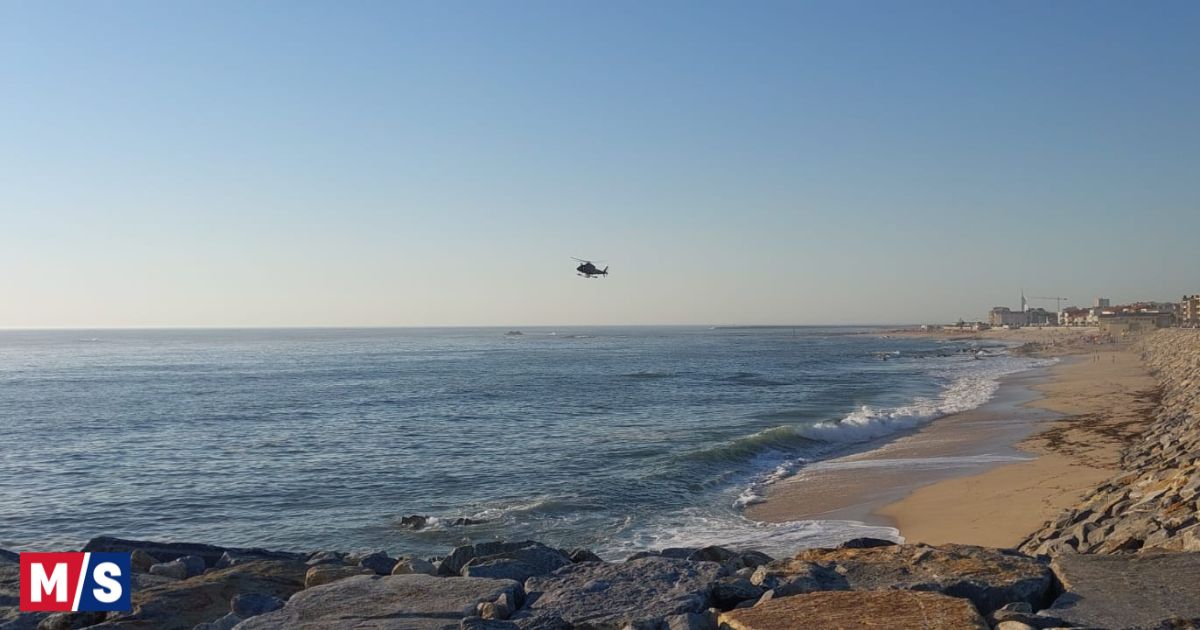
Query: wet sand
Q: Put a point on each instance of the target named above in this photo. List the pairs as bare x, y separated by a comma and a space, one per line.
992, 475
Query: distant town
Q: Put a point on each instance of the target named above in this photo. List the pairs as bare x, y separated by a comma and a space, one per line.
1108, 317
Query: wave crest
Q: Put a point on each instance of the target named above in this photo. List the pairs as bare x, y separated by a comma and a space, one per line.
783, 439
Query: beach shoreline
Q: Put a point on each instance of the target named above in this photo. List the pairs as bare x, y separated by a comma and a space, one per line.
991, 475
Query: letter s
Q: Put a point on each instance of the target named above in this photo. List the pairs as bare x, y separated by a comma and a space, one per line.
110, 589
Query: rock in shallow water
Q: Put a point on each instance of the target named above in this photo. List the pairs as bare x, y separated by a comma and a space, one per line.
858, 609
394, 602
414, 521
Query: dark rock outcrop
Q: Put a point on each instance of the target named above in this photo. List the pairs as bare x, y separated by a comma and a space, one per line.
580, 554
211, 554
379, 562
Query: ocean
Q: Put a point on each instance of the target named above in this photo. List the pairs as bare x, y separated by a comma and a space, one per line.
615, 439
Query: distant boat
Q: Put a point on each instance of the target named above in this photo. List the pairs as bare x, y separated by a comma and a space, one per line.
514, 333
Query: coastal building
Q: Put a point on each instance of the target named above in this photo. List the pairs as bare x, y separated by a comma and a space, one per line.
967, 326
1073, 316
1003, 316
1040, 317
1189, 311
1125, 322
1103, 302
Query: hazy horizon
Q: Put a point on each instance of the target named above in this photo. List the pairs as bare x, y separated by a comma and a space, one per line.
230, 165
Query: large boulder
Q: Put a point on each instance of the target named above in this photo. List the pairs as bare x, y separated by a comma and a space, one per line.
211, 554
408, 602
858, 609
990, 578
579, 554
518, 564
1146, 590
539, 558
182, 568
379, 562
326, 573
640, 593
184, 604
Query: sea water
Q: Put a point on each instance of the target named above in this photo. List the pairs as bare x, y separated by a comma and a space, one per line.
616, 439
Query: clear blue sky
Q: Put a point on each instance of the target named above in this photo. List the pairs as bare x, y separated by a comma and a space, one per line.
398, 163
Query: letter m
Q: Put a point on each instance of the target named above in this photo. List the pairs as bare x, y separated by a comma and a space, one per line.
53, 584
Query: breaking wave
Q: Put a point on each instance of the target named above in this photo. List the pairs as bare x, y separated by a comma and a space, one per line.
782, 439
962, 394
696, 528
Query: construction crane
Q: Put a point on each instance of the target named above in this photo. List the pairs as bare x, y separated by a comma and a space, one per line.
1057, 301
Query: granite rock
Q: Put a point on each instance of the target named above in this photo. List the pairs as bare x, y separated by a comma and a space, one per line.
640, 593
325, 573
183, 604
990, 578
399, 602
858, 609
1145, 590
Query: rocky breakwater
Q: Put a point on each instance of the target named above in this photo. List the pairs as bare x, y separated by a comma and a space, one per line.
1154, 503
531, 586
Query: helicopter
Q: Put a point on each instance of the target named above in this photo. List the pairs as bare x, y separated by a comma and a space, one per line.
588, 270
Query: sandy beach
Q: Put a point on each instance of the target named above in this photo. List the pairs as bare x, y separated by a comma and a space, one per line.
992, 475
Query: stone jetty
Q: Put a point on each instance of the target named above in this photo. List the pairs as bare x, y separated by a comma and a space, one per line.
1127, 557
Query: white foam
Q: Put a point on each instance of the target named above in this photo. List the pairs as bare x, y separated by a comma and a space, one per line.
972, 384
965, 392
919, 462
694, 528
756, 491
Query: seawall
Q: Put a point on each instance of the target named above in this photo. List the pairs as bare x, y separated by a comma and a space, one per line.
1152, 503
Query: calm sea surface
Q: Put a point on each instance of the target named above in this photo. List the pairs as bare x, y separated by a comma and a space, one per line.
612, 438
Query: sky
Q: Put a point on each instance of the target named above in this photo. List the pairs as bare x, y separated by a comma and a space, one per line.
394, 163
